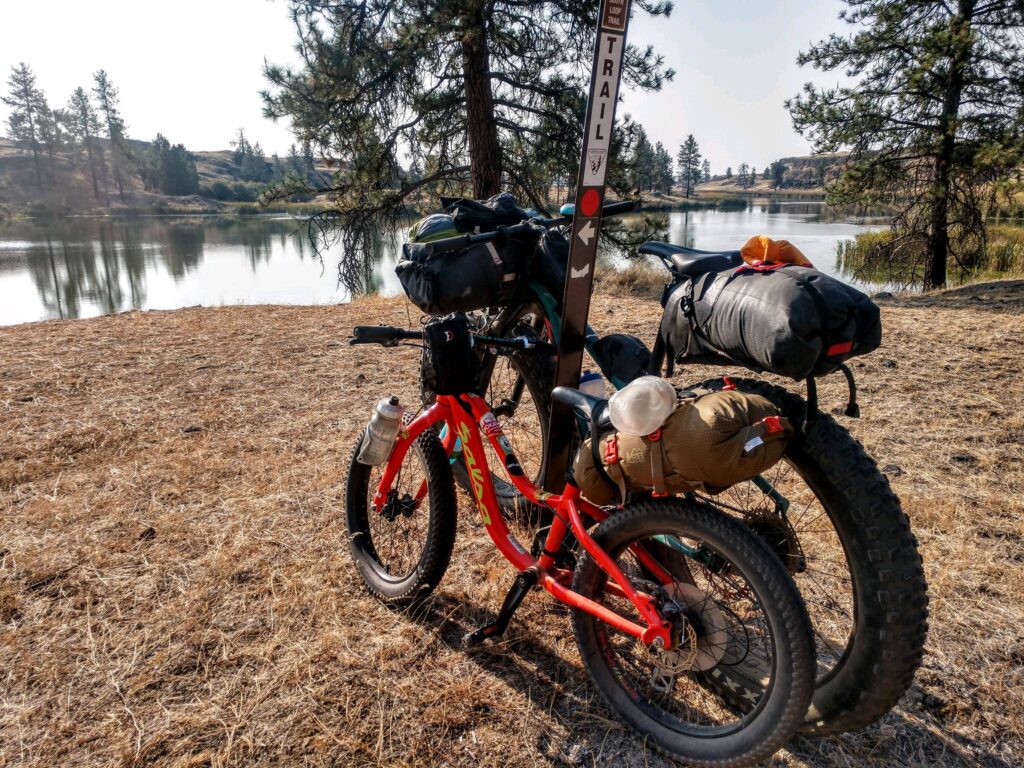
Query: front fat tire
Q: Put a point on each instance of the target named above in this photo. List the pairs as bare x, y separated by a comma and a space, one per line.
884, 562
440, 536
792, 684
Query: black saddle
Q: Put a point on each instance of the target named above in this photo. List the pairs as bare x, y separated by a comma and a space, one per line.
689, 261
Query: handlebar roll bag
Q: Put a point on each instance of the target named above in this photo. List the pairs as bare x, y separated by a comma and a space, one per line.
448, 365
784, 319
482, 275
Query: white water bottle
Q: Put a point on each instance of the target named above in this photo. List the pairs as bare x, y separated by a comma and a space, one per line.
381, 432
592, 383
642, 406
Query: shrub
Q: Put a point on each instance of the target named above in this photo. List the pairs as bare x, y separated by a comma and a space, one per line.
244, 193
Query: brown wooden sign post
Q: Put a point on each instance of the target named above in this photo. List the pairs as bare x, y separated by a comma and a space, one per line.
586, 225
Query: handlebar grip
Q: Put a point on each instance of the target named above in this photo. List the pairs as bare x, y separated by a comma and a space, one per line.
614, 209
381, 334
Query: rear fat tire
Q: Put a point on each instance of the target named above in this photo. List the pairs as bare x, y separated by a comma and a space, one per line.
789, 692
440, 535
884, 562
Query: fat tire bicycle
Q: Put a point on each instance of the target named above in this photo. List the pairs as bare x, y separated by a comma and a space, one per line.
826, 509
689, 626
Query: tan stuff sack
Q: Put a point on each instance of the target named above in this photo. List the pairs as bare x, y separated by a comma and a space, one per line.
711, 441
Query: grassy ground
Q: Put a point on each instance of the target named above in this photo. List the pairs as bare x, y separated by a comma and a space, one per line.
175, 587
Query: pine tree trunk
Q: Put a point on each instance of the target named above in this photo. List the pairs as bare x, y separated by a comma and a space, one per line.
35, 150
92, 169
484, 150
937, 258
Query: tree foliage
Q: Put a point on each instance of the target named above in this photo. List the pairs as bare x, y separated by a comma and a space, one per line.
483, 96
108, 108
249, 159
169, 169
689, 163
28, 112
933, 120
83, 127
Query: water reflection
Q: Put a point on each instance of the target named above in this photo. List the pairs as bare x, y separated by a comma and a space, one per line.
74, 268
84, 267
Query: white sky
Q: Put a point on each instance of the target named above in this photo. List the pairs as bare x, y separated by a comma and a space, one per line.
192, 69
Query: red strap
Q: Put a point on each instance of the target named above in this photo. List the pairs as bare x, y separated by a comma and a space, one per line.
839, 349
763, 266
655, 436
611, 451
730, 385
772, 424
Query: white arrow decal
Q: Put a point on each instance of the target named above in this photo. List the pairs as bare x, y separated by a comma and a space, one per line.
574, 273
586, 232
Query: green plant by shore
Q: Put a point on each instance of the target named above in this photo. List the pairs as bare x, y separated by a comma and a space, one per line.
885, 257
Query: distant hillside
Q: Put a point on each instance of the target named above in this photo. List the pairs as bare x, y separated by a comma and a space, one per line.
220, 182
804, 174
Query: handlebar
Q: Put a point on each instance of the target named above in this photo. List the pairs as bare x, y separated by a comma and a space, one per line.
457, 243
388, 336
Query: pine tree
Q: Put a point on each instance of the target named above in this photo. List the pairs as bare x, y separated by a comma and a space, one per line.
663, 168
744, 176
644, 169
933, 118
51, 133
27, 104
778, 172
110, 117
169, 169
83, 127
728, 172
490, 92
688, 161
706, 170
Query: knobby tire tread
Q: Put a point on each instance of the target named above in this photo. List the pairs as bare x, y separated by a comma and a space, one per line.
437, 553
797, 645
888, 572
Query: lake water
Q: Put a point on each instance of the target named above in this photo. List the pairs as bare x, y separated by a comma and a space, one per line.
84, 267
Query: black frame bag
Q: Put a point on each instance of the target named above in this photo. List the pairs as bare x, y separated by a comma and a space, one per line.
448, 365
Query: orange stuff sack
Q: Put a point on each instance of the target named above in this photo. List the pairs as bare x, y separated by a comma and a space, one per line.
761, 248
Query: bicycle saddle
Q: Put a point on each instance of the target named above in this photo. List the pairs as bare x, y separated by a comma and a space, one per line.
690, 261
593, 410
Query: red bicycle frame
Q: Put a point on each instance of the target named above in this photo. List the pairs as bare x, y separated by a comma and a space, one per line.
465, 416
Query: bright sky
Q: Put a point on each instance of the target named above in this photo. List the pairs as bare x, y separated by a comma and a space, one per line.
192, 69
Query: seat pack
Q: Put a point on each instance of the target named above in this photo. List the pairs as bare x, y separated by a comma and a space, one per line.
785, 319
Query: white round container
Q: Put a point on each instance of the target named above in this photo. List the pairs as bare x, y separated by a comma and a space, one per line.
642, 406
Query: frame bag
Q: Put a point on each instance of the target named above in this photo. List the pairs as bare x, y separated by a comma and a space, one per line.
781, 318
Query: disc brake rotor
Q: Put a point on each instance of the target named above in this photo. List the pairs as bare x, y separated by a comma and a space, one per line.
704, 639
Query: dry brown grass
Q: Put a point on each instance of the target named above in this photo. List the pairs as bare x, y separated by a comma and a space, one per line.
175, 587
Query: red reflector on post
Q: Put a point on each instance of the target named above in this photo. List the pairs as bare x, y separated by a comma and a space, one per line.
839, 349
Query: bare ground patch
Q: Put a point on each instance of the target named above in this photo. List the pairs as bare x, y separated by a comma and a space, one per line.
175, 587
